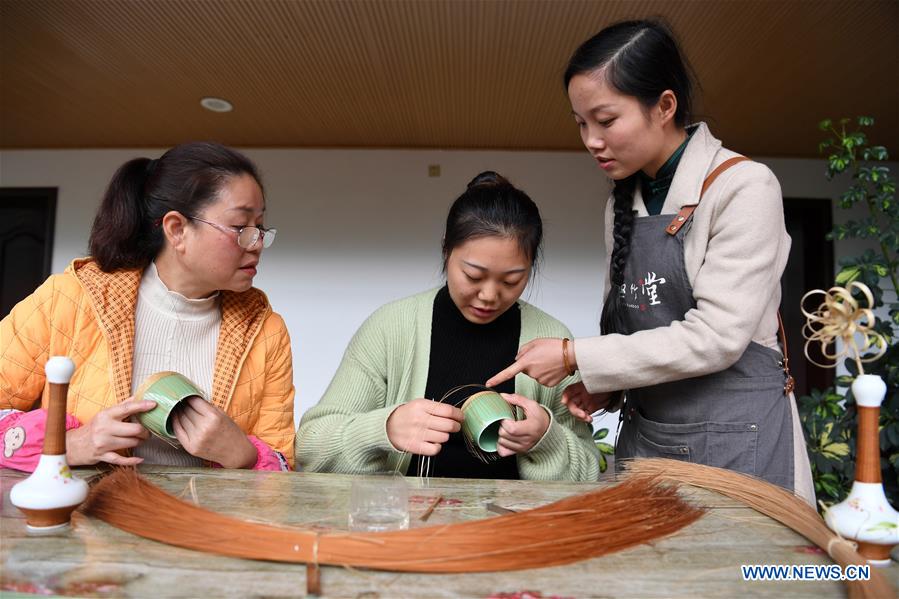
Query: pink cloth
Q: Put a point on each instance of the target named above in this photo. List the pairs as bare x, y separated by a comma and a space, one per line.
22, 438
266, 457
22, 441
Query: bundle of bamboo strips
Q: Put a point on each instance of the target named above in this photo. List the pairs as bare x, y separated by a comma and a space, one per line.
773, 501
636, 511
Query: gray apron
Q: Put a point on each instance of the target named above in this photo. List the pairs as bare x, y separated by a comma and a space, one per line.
738, 418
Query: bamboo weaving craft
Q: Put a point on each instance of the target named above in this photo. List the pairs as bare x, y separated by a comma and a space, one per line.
484, 410
169, 390
638, 510
840, 317
773, 501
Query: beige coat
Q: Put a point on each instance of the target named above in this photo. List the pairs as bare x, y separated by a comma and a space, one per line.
734, 253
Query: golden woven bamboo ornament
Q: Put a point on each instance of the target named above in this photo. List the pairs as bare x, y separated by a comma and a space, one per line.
840, 317
865, 515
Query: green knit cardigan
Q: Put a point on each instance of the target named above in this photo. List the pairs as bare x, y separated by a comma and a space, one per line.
386, 365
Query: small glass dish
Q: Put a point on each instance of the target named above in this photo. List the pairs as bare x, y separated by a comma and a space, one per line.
378, 504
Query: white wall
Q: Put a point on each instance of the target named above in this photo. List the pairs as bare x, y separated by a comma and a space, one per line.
358, 228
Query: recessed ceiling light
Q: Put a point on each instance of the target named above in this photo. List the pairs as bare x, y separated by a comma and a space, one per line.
216, 105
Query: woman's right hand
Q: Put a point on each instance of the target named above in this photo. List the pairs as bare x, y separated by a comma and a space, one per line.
582, 404
422, 426
106, 433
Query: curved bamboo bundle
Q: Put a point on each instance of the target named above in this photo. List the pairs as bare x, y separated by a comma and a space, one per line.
584, 526
773, 501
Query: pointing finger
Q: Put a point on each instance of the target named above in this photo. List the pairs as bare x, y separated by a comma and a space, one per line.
506, 374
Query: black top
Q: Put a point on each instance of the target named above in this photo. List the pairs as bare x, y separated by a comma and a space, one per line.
463, 353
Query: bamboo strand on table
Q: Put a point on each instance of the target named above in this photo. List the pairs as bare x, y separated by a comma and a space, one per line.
638, 510
773, 501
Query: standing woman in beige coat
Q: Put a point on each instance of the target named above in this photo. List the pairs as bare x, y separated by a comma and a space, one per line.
697, 246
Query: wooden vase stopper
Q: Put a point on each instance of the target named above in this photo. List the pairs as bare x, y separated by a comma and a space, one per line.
50, 495
865, 515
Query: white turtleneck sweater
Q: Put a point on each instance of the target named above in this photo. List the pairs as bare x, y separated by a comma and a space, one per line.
175, 333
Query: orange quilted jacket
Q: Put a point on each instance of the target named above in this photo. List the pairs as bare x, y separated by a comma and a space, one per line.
88, 315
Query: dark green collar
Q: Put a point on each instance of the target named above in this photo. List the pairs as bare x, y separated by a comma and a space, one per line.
656, 190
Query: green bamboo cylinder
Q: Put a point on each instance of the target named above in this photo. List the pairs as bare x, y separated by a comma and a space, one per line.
168, 390
484, 412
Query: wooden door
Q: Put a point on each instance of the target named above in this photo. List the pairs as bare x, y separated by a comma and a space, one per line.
27, 216
810, 266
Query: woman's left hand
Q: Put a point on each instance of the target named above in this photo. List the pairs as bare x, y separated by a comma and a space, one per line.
582, 404
519, 436
207, 432
540, 359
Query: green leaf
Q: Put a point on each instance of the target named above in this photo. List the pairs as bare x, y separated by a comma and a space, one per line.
865, 121
844, 380
829, 484
847, 275
825, 124
837, 163
863, 173
875, 153
825, 434
601, 434
605, 448
853, 195
854, 140
603, 464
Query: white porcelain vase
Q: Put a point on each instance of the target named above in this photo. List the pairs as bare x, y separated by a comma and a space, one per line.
865, 515
52, 492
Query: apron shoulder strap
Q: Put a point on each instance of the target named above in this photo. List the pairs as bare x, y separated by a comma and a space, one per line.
789, 381
682, 218
686, 211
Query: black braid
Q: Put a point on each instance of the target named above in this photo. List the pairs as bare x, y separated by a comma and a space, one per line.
621, 233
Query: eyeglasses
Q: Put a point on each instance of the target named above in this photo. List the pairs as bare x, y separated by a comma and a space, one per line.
247, 237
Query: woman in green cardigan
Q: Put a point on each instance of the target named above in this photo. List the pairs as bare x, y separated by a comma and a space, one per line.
382, 411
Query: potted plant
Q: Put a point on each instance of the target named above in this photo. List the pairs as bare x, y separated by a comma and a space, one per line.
829, 417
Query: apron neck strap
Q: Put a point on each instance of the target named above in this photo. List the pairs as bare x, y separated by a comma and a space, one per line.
687, 211
789, 381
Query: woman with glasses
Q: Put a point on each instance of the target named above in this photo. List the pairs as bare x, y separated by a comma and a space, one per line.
168, 287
